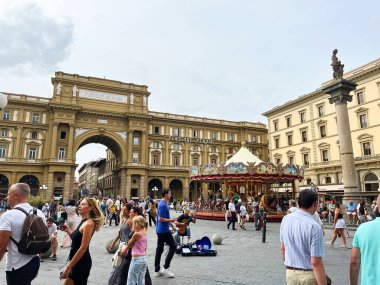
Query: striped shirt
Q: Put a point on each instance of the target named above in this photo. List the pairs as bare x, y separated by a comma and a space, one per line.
302, 238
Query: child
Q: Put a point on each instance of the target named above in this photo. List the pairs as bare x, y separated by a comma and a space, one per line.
138, 243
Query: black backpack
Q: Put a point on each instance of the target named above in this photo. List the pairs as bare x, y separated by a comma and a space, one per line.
35, 237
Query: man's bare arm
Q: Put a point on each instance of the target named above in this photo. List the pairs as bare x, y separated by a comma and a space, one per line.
354, 265
319, 270
4, 240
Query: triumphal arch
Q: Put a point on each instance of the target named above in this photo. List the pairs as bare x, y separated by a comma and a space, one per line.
40, 137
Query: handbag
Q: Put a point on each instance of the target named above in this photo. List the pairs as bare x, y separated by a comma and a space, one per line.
116, 258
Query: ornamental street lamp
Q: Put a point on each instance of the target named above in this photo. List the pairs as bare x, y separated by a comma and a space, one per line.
43, 188
3, 101
154, 189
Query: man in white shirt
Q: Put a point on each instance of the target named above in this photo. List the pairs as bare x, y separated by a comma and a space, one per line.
52, 228
19, 268
232, 212
118, 209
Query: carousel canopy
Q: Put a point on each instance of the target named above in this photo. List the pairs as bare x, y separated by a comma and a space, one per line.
244, 156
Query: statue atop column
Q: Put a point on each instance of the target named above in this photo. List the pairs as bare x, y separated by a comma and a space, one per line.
337, 66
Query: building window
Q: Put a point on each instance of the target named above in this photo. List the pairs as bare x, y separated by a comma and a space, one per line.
194, 148
156, 130
302, 117
176, 147
275, 125
213, 149
308, 181
32, 153
366, 148
278, 160
306, 159
195, 134
63, 135
2, 151
135, 157
325, 155
363, 121
290, 139
213, 135
254, 138
61, 153
277, 142
156, 159
36, 118
231, 137
195, 161
321, 111
360, 97
4, 132
322, 131
288, 121
176, 132
213, 160
230, 150
328, 180
155, 145
175, 160
291, 159
304, 136
6, 115
135, 141
34, 135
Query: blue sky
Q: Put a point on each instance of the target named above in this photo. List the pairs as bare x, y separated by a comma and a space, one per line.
220, 59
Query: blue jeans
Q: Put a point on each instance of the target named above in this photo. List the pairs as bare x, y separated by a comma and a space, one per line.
24, 275
137, 271
178, 237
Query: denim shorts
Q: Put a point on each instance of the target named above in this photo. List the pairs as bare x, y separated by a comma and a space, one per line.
137, 271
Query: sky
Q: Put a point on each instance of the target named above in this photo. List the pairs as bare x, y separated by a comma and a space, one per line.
231, 60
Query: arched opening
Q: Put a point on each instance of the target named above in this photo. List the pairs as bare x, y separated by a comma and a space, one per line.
371, 182
155, 188
99, 157
176, 188
33, 183
4, 185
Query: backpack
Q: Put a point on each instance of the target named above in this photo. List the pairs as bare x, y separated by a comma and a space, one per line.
35, 237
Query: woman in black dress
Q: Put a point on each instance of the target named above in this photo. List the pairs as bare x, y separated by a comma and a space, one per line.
78, 269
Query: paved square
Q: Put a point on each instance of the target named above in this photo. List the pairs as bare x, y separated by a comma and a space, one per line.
242, 259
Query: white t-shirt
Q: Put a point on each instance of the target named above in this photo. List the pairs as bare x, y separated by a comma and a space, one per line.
117, 204
109, 201
231, 207
243, 210
52, 230
13, 221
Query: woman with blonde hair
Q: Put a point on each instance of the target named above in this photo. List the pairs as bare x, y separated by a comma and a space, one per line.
78, 269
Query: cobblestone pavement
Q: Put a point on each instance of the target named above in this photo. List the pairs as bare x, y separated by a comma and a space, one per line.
242, 259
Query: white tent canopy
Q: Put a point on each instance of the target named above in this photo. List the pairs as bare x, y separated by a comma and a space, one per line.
244, 156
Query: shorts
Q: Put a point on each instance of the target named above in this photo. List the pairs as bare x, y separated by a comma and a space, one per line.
351, 213
340, 224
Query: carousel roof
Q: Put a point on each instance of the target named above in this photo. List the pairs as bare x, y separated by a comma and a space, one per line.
244, 156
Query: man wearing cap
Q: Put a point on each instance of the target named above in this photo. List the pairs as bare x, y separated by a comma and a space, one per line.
366, 252
302, 243
183, 222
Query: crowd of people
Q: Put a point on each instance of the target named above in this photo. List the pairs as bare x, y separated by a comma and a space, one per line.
130, 265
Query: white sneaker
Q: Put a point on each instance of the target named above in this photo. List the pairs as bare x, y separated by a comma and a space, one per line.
167, 273
159, 273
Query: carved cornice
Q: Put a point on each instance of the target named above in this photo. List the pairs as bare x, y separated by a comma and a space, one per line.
74, 108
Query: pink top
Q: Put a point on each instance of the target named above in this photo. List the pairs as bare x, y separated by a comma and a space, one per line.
139, 248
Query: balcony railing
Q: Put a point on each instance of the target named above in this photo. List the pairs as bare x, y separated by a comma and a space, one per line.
367, 157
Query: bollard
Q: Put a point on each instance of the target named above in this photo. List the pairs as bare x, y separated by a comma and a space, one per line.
264, 227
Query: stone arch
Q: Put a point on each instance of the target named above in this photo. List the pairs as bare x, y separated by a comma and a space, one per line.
155, 182
109, 139
371, 182
176, 187
33, 182
4, 185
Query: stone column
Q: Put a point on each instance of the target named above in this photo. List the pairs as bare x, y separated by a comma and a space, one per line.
66, 187
144, 148
50, 186
339, 91
166, 182
205, 191
143, 187
69, 157
167, 153
123, 183
53, 145
186, 191
129, 146
128, 188
17, 152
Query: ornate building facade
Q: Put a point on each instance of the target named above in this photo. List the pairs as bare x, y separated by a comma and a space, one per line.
304, 131
147, 150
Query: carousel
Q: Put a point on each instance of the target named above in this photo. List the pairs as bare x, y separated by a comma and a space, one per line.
244, 176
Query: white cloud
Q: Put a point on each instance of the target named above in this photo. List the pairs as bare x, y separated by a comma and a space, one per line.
31, 40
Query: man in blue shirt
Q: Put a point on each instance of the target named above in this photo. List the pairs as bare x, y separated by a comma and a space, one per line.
164, 236
302, 243
366, 252
351, 212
